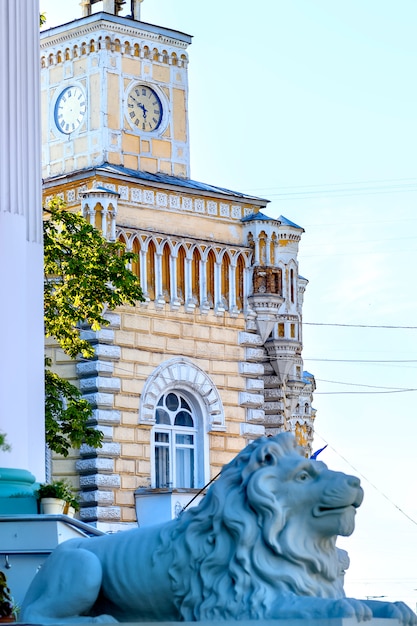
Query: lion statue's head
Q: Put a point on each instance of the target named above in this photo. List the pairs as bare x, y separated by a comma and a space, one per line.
266, 528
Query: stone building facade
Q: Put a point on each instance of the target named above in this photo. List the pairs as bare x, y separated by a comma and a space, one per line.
212, 358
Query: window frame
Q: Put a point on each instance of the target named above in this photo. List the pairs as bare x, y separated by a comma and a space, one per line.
172, 431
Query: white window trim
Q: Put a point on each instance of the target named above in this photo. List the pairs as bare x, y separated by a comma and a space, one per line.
182, 374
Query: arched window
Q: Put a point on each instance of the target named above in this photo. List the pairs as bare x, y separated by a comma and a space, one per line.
181, 274
292, 286
122, 239
175, 435
262, 248
195, 275
166, 288
211, 261
225, 281
97, 217
240, 273
136, 263
272, 249
150, 270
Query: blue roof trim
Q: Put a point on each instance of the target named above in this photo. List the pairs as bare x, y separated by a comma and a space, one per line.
260, 217
288, 222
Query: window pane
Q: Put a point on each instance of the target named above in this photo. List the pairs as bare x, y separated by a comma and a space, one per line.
185, 405
162, 437
185, 467
162, 466
172, 402
162, 417
183, 418
187, 440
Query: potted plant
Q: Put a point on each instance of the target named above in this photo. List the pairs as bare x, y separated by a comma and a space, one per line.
53, 496
7, 605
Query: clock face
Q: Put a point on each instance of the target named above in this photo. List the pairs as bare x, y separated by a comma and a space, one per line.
70, 109
144, 108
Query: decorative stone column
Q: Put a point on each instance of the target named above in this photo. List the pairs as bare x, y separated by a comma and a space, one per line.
21, 253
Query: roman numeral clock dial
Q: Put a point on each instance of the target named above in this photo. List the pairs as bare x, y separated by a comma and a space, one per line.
70, 109
144, 108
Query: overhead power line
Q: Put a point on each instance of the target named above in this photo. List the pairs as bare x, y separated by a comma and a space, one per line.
362, 360
390, 326
327, 185
339, 393
370, 187
368, 481
337, 382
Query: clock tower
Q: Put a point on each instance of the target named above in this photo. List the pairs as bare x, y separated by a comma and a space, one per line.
115, 90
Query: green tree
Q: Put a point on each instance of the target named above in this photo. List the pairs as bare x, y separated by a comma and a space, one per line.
4, 446
85, 275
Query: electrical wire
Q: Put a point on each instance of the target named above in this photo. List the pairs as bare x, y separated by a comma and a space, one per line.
367, 479
336, 382
304, 192
321, 185
361, 360
389, 326
339, 393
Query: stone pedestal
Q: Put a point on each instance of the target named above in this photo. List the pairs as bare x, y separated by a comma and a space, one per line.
340, 621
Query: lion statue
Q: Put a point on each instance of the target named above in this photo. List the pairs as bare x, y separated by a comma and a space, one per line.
260, 545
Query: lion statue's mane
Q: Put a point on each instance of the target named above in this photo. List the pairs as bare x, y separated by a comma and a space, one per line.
238, 550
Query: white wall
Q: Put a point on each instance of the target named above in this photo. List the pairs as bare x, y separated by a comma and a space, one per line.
21, 255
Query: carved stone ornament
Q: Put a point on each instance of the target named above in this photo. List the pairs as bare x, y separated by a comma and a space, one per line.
261, 545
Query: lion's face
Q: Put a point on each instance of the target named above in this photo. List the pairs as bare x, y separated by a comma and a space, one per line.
324, 500
319, 502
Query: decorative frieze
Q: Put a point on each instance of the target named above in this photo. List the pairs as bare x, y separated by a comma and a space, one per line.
161, 199
177, 202
123, 191
148, 196
224, 210
136, 194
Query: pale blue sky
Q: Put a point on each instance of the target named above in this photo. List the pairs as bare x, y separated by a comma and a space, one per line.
312, 103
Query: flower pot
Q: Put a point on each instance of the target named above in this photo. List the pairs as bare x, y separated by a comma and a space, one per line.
52, 506
7, 620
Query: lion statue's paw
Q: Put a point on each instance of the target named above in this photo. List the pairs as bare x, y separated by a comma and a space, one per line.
104, 619
394, 610
310, 607
350, 607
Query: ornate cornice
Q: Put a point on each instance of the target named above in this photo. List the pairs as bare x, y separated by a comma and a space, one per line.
105, 24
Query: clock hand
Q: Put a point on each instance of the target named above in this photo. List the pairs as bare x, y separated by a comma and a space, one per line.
144, 110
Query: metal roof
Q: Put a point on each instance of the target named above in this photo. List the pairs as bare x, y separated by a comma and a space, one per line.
261, 217
178, 181
288, 222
